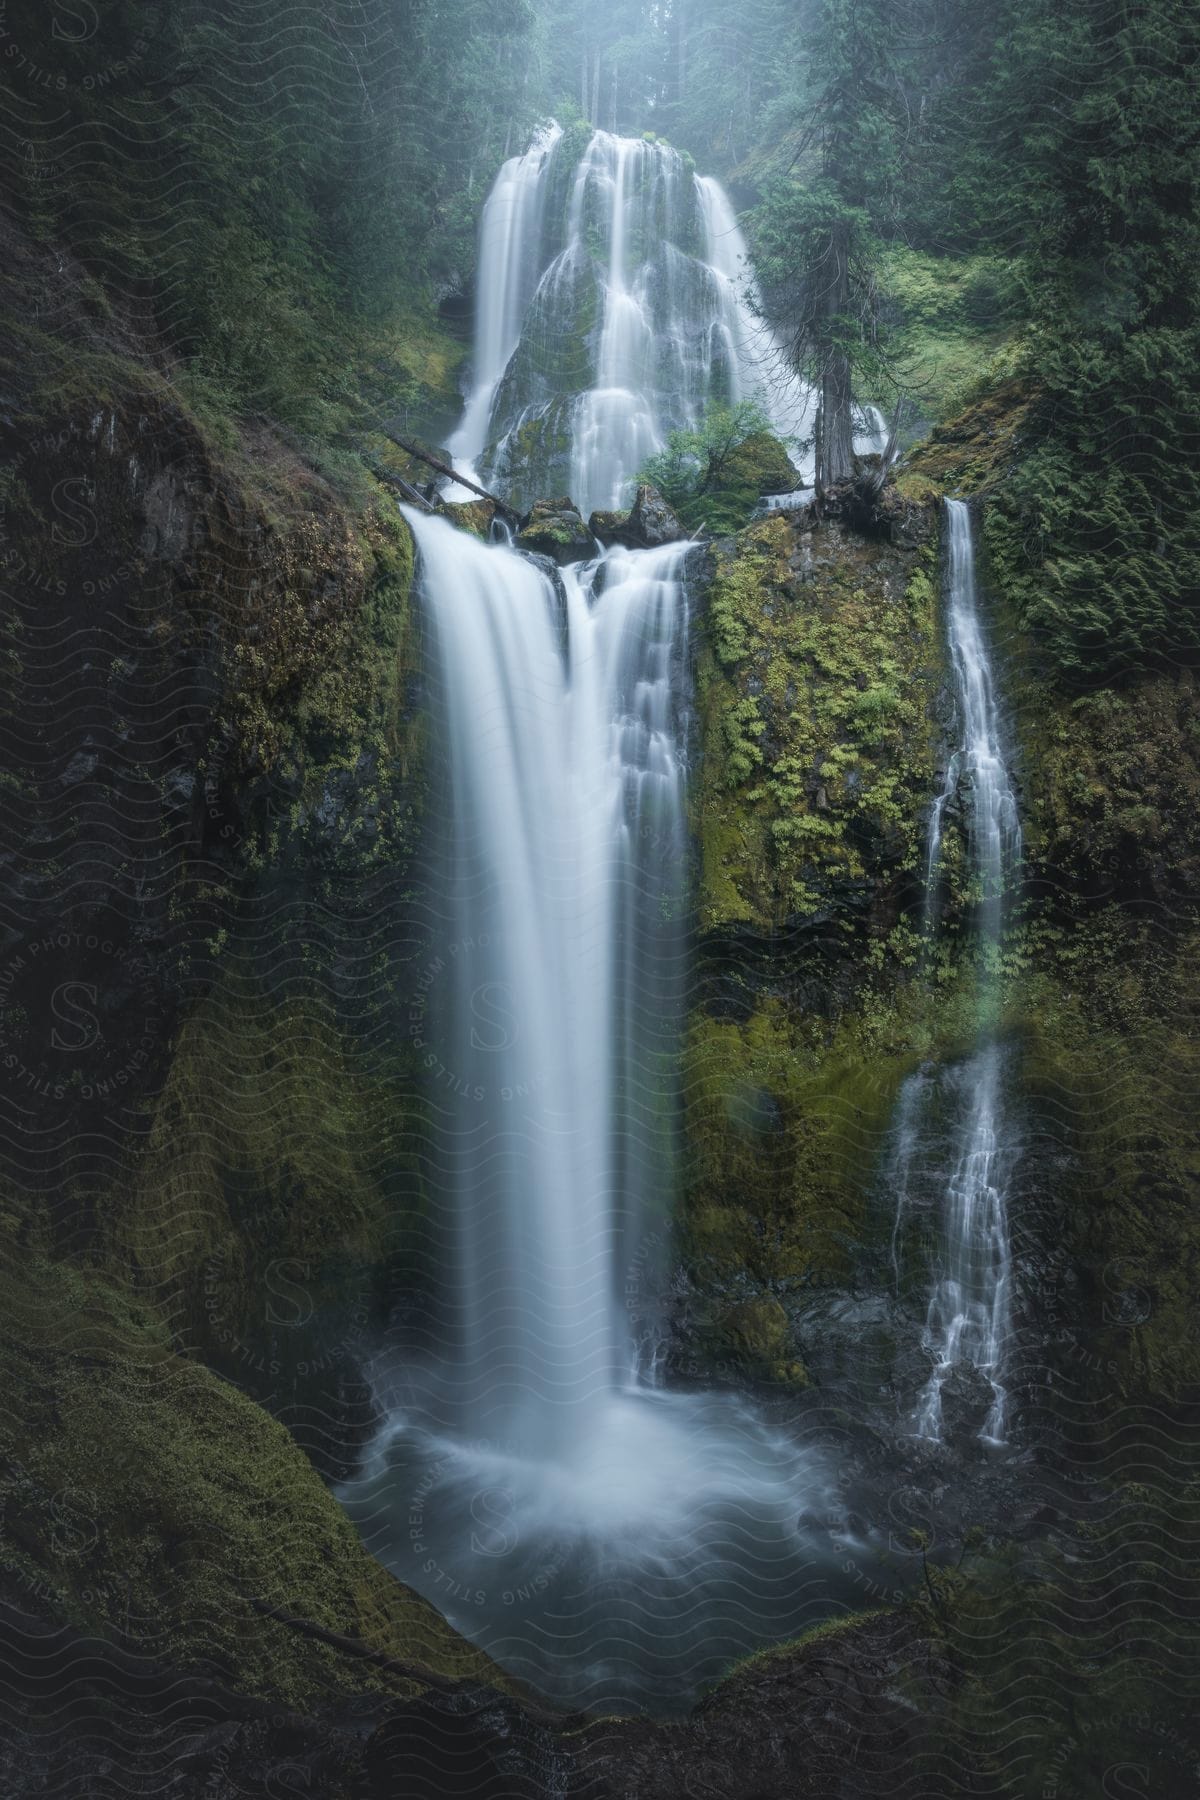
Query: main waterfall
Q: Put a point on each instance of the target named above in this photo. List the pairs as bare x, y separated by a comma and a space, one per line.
550, 1007
593, 1529
614, 1539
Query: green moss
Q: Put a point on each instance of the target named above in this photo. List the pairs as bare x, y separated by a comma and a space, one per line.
780, 1656
820, 661
785, 1117
973, 451
1107, 995
142, 1494
474, 516
947, 339
271, 1145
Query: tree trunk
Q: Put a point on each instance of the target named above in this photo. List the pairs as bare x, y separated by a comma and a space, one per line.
679, 29
835, 456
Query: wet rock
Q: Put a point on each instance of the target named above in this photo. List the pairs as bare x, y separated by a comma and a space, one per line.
758, 1334
475, 516
550, 569
966, 1398
467, 1741
612, 528
651, 520
555, 528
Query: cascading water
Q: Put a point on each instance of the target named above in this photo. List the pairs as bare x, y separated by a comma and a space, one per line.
511, 226
561, 881
968, 1318
631, 280
588, 1526
618, 1541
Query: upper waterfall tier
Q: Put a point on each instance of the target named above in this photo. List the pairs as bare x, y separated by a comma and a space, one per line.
615, 302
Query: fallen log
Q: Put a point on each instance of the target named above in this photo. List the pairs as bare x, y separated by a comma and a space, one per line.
411, 494
442, 468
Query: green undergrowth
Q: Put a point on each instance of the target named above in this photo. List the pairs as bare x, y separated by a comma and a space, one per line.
953, 330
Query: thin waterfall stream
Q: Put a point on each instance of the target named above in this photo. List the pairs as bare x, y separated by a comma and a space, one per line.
968, 1323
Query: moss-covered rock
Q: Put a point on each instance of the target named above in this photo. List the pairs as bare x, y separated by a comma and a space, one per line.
142, 1494
475, 516
555, 528
816, 681
818, 675
973, 450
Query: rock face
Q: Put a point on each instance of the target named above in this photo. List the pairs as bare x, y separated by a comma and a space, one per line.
612, 528
819, 662
185, 1512
555, 528
212, 783
475, 516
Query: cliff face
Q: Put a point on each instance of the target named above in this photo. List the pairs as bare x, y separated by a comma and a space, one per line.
825, 724
214, 1168
213, 770
820, 683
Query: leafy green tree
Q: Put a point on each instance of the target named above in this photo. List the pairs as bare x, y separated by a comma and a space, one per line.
714, 475
1096, 150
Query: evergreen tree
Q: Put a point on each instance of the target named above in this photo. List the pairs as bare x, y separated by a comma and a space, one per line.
816, 230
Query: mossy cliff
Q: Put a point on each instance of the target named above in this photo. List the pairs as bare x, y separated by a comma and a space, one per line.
1102, 990
214, 779
144, 1496
824, 722
819, 688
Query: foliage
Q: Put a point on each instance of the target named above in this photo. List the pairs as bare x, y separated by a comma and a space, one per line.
814, 698
278, 208
714, 475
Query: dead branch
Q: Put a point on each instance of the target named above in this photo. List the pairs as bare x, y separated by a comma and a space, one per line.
442, 468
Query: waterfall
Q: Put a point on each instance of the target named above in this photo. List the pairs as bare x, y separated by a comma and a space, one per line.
968, 1318
509, 232
592, 1528
560, 882
615, 302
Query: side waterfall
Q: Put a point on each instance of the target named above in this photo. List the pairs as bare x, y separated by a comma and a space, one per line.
968, 1319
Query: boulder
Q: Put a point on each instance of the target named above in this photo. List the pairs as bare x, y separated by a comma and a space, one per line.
651, 520
612, 528
555, 528
475, 516
649, 523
